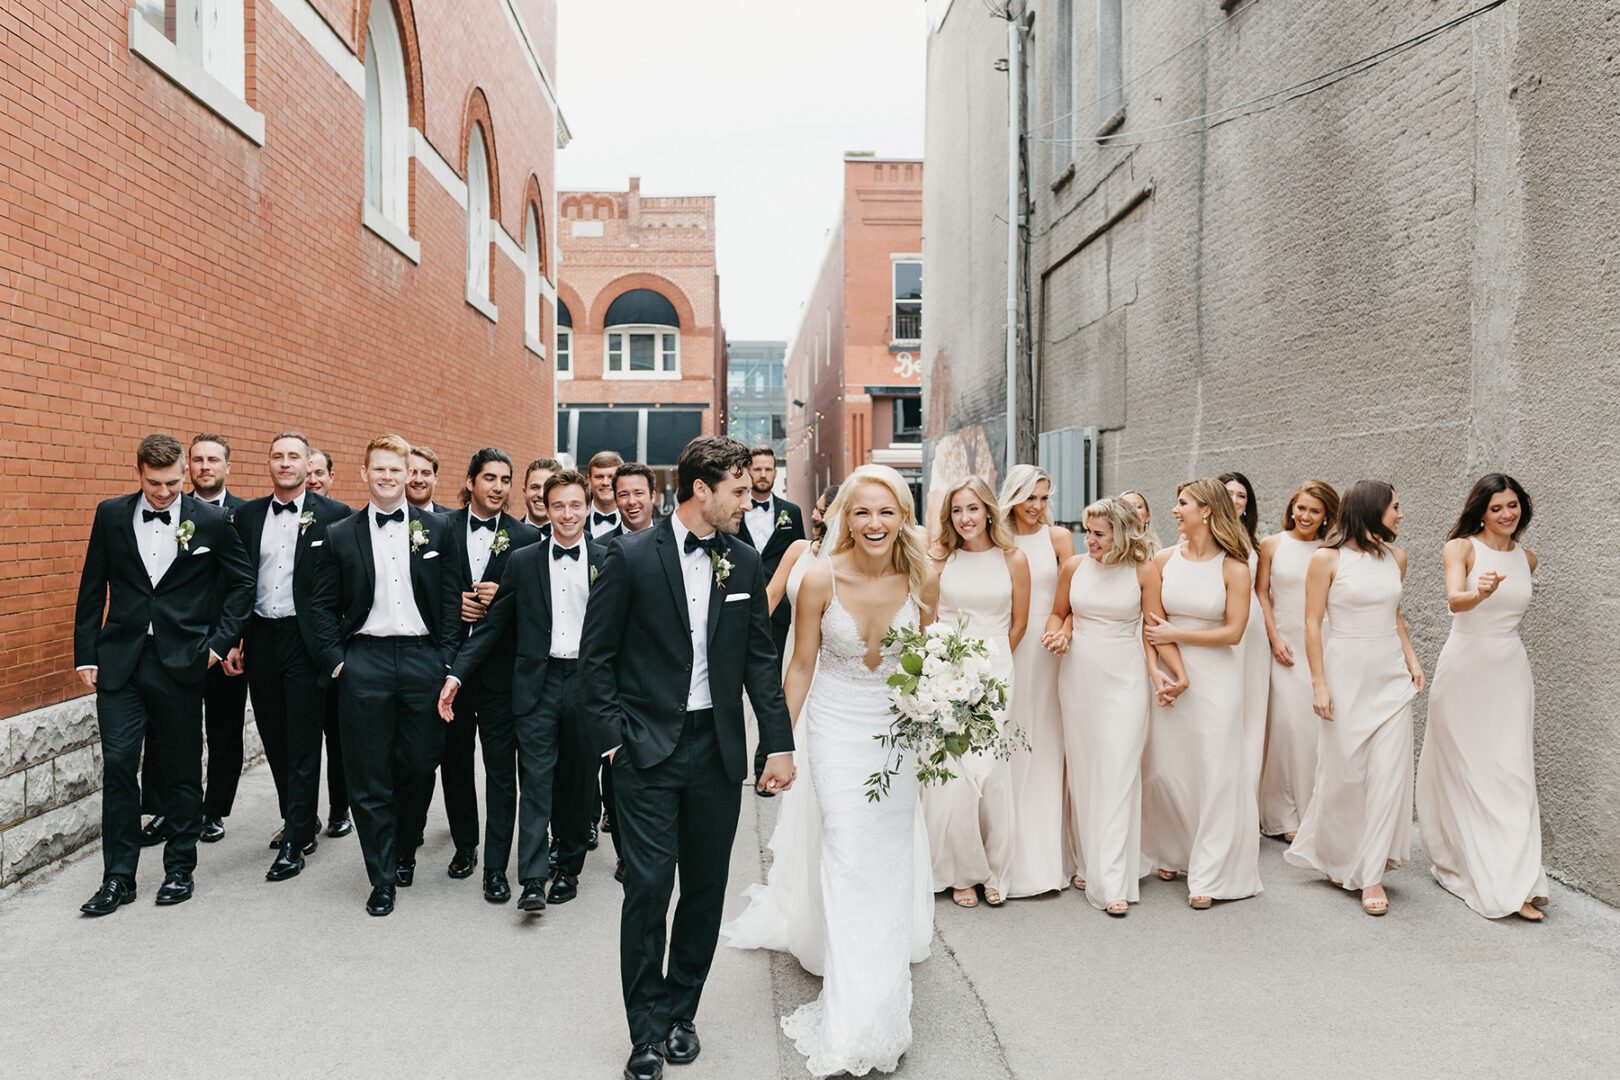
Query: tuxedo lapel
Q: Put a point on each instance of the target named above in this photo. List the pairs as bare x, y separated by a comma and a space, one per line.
362, 540
132, 546
252, 530
543, 569
717, 595
419, 587
669, 555
493, 569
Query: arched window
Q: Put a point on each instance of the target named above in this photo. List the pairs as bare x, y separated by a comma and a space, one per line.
565, 341
480, 232
388, 147
531, 275
643, 334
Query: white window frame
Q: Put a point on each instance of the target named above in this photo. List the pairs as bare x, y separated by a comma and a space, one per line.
1110, 66
207, 59
895, 300
480, 225
531, 282
386, 209
565, 352
610, 372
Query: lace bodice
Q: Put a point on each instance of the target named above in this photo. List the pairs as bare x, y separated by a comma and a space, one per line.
843, 653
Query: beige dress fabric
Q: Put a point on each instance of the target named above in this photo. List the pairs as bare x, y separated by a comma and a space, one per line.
1105, 693
1037, 773
1198, 800
1359, 822
970, 819
1477, 808
1256, 653
1291, 723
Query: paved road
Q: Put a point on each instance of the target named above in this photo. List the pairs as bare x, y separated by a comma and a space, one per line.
252, 979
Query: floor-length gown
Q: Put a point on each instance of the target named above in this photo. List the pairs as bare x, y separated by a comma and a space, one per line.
1037, 773
1359, 822
1477, 808
870, 855
1104, 688
1198, 799
970, 819
1256, 652
1291, 722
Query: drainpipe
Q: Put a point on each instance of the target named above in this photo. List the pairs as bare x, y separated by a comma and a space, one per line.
1015, 124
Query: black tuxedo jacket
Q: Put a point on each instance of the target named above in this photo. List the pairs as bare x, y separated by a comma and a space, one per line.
775, 548
635, 660
249, 523
345, 584
520, 620
200, 605
497, 674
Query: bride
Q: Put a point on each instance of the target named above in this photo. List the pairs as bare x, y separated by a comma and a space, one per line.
873, 892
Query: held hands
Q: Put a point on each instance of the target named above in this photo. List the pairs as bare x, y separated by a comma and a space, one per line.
1418, 681
1322, 702
1166, 688
778, 775
447, 699
1281, 650
1159, 631
1055, 642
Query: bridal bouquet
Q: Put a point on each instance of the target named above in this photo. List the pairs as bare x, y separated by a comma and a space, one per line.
946, 702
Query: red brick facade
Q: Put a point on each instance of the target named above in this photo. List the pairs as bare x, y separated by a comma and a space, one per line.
163, 271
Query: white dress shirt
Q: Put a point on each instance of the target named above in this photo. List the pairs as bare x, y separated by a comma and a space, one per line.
570, 590
599, 527
393, 603
760, 523
278, 545
159, 543
479, 541
697, 570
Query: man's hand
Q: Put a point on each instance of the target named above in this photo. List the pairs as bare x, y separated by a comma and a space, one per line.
486, 592
472, 608
88, 677
778, 774
447, 699
233, 661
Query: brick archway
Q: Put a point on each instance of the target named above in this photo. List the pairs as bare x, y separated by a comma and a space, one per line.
476, 111
406, 17
660, 285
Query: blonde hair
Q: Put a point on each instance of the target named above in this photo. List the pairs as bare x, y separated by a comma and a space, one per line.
909, 555
1021, 482
393, 444
995, 526
1148, 531
1130, 535
1224, 524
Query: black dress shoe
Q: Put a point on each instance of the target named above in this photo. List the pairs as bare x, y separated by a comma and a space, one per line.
309, 848
381, 901
462, 865
288, 864
618, 872
177, 889
534, 896
275, 841
404, 874
592, 838
607, 821
646, 1063
340, 826
213, 831
681, 1045
113, 894
156, 831
496, 888
564, 887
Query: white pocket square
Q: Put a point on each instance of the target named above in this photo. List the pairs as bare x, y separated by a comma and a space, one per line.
316, 543
431, 555
202, 551
734, 597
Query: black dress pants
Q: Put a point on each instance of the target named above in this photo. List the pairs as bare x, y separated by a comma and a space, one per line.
460, 783
388, 695
680, 814
224, 712
152, 701
337, 785
497, 738
573, 804
289, 707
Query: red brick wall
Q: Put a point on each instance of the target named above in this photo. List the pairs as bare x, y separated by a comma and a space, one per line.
161, 272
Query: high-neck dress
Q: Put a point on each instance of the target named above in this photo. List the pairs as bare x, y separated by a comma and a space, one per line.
1291, 722
1037, 773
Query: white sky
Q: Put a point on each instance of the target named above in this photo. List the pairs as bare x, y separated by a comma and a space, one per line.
752, 101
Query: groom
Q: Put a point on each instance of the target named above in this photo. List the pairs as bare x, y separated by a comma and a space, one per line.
669, 599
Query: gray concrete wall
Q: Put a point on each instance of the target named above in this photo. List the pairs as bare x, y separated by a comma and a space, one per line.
1406, 275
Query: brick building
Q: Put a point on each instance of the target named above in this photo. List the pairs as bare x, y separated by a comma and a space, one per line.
242, 216
641, 352
1398, 275
853, 373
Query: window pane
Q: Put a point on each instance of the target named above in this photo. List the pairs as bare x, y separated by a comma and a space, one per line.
615, 352
669, 352
907, 420
642, 347
562, 432
908, 281
565, 350
607, 429
907, 321
668, 432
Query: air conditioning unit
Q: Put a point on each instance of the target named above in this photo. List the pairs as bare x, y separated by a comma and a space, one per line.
1072, 456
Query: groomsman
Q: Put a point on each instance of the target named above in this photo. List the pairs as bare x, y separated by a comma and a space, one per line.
541, 603
483, 538
319, 479
384, 632
770, 525
337, 788
422, 480
604, 509
534, 493
633, 488
283, 534
225, 692
176, 587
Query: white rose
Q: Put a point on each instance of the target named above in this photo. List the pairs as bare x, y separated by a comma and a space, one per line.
934, 666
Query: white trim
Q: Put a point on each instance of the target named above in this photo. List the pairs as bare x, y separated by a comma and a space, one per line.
534, 346
150, 45
486, 307
438, 168
532, 54
324, 40
398, 238
507, 244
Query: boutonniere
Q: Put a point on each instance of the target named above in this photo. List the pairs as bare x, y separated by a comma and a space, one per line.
305, 520
184, 533
722, 568
419, 535
593, 575
783, 520
502, 542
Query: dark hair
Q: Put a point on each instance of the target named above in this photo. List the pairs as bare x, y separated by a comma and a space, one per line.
1251, 509
635, 468
827, 497
709, 458
158, 451
476, 465
327, 454
211, 437
549, 464
1361, 517
604, 459
761, 450
563, 479
1472, 520
425, 454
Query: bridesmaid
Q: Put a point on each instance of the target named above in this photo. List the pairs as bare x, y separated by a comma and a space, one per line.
1290, 763
1359, 821
1140, 503
1476, 782
1254, 648
1105, 694
983, 578
1037, 773
785, 582
1198, 809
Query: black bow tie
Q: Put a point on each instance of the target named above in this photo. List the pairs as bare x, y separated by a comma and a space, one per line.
157, 515
603, 519
565, 553
277, 506
766, 505
477, 524
383, 519
712, 543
